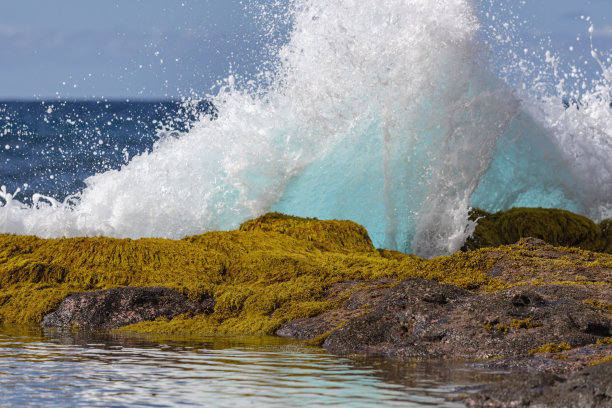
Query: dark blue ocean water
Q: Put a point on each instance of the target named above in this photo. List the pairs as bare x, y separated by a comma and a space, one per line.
50, 148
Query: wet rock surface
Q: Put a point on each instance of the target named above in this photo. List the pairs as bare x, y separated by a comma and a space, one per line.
548, 326
113, 308
424, 319
588, 388
359, 296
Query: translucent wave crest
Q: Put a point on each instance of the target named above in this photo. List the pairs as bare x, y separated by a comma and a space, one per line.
383, 113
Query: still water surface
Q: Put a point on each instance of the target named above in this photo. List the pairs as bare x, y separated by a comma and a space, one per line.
50, 370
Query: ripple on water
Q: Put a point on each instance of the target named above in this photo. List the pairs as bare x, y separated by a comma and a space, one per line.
52, 370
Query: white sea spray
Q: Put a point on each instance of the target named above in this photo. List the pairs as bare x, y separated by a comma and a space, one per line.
380, 112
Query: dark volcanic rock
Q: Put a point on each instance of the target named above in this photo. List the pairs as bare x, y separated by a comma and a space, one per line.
553, 296
565, 363
590, 387
113, 308
424, 319
360, 296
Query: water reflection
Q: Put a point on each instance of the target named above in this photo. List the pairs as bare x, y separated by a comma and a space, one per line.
100, 369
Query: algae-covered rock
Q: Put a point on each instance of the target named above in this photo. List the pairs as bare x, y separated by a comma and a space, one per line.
557, 227
113, 308
276, 269
356, 298
424, 319
323, 281
344, 236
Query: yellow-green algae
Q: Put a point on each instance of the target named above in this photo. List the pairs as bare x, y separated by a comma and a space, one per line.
272, 270
599, 304
551, 348
557, 227
606, 341
602, 360
514, 324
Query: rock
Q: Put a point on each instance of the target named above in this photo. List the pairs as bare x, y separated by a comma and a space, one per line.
588, 388
361, 296
113, 308
556, 227
340, 236
425, 319
545, 296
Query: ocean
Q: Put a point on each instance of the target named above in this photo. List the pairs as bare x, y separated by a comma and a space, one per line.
50, 148
114, 370
398, 115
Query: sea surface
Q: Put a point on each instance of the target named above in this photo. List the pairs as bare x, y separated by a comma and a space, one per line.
87, 369
50, 147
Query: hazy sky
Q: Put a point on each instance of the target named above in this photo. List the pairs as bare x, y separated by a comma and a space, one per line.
159, 48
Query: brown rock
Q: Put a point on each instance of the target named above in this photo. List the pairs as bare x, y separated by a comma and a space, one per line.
424, 319
113, 308
589, 388
360, 296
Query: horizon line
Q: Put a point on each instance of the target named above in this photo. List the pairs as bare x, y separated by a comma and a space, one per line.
99, 99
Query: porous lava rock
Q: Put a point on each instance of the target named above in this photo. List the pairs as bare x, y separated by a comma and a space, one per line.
419, 318
113, 308
358, 297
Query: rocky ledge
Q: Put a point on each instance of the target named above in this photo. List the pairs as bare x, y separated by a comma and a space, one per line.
547, 336
590, 387
114, 308
424, 319
554, 338
541, 312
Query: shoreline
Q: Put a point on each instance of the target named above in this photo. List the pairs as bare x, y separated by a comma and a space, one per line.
538, 310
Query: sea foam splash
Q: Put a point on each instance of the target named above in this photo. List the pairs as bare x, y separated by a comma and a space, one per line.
383, 113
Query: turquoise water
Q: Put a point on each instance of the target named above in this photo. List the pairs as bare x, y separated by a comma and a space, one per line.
49, 370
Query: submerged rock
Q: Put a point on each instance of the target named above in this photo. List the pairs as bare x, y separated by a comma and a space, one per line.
113, 308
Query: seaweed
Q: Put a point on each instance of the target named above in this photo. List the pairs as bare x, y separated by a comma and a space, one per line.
272, 270
551, 348
515, 324
556, 227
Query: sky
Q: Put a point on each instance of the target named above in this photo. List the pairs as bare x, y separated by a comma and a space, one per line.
119, 48
566, 23
153, 49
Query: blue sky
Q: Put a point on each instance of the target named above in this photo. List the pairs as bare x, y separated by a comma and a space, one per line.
112, 48
561, 21
166, 48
